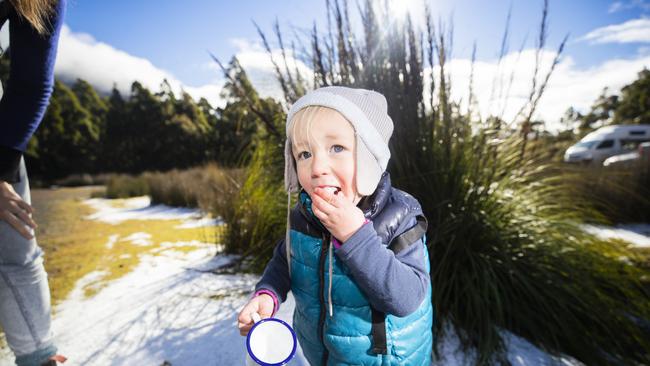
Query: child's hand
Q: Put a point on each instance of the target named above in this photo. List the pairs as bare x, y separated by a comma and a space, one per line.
341, 217
262, 304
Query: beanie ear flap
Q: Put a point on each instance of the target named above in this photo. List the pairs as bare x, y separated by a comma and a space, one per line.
368, 171
291, 183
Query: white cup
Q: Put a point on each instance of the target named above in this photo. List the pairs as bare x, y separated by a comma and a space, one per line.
270, 342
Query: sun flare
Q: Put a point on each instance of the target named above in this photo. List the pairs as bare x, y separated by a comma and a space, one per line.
401, 8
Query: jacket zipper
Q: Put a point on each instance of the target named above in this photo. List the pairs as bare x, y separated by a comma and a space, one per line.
321, 289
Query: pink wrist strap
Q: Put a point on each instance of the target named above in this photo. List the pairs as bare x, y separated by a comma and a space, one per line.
270, 293
336, 242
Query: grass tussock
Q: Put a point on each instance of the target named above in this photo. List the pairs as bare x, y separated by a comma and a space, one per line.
622, 194
125, 186
259, 217
209, 188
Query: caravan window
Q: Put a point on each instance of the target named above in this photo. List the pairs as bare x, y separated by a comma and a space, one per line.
637, 133
606, 144
630, 145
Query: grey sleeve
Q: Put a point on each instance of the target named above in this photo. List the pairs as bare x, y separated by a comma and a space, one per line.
394, 284
276, 274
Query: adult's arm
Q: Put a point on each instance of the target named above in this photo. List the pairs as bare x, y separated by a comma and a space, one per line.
30, 85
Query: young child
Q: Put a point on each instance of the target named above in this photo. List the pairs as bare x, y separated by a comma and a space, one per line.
354, 255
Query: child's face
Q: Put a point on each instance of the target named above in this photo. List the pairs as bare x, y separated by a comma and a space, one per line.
324, 154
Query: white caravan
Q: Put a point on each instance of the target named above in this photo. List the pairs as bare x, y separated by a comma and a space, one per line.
607, 141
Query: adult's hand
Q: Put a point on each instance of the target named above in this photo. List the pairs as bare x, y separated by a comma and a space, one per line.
15, 211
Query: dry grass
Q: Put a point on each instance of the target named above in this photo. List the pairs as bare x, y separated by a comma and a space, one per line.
75, 247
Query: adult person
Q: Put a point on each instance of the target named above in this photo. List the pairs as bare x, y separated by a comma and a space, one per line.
34, 27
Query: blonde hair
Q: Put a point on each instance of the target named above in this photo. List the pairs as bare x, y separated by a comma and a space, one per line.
36, 12
302, 121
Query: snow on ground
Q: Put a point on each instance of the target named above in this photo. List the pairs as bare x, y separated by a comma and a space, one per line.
142, 239
140, 208
520, 353
111, 241
161, 311
173, 308
202, 222
638, 235
170, 308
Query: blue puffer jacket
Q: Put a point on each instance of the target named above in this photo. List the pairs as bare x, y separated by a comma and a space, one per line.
345, 338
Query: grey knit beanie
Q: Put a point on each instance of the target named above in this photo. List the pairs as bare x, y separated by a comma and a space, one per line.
367, 111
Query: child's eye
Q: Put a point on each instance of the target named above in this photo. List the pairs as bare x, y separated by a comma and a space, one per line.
337, 148
304, 155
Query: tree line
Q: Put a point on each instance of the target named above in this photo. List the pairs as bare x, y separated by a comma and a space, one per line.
86, 132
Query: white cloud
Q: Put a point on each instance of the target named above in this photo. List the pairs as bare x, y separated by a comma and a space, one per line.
569, 85
102, 65
632, 4
257, 64
634, 30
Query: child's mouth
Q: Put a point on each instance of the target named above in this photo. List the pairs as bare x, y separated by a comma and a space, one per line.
333, 190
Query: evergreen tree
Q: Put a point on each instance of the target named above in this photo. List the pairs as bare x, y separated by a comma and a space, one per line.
114, 144
634, 104
233, 138
66, 141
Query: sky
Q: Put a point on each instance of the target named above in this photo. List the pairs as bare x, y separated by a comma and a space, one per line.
116, 42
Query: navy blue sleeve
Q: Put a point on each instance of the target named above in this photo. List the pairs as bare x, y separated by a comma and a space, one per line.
394, 284
276, 274
31, 81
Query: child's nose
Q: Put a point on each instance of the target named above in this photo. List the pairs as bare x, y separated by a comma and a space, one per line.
319, 166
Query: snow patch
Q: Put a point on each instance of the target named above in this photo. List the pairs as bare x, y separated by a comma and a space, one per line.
202, 222
638, 235
140, 208
111, 241
160, 311
174, 307
520, 352
141, 239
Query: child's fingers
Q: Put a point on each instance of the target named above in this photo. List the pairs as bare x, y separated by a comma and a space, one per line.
322, 205
244, 323
244, 320
245, 328
244, 317
327, 196
319, 214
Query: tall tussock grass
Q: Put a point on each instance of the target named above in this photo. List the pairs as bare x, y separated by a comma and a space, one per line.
259, 219
622, 194
211, 188
506, 245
